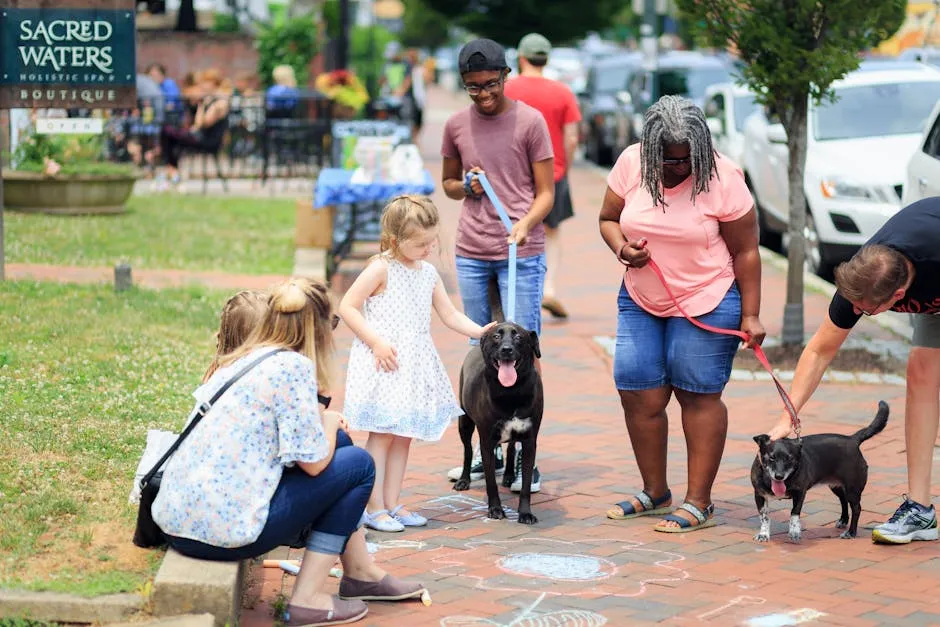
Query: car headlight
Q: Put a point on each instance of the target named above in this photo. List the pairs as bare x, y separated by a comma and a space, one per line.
837, 188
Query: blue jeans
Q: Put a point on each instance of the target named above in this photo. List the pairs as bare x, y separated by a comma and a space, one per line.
333, 501
653, 352
473, 278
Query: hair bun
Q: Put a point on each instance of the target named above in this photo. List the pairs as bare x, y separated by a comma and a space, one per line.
289, 298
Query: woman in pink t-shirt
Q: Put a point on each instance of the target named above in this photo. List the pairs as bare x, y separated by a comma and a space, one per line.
695, 212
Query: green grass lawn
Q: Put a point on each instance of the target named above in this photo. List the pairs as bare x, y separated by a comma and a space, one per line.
84, 372
164, 231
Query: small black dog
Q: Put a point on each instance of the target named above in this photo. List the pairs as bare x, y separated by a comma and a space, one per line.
501, 393
788, 468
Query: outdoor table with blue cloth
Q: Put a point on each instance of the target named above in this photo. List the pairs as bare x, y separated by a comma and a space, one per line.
358, 206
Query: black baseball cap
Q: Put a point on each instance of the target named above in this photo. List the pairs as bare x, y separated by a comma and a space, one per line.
481, 55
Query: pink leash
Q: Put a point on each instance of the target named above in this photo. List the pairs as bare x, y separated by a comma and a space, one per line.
758, 351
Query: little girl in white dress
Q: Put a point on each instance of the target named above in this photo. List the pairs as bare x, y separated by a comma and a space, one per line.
397, 388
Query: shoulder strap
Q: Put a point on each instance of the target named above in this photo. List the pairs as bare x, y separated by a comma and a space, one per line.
201, 411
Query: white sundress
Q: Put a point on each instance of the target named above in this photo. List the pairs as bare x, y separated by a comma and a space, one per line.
416, 400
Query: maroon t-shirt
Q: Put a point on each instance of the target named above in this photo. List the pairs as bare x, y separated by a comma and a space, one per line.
504, 146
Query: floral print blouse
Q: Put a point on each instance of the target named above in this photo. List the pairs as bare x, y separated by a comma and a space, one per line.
217, 486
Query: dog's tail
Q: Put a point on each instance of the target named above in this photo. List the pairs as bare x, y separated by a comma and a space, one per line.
876, 426
496, 303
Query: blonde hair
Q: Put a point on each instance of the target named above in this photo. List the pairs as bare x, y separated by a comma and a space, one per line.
240, 315
284, 75
402, 217
298, 318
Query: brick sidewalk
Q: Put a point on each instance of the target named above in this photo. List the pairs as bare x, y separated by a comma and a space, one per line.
576, 567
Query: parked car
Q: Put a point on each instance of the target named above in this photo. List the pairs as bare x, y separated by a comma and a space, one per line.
606, 108
923, 170
857, 148
727, 106
681, 73
923, 55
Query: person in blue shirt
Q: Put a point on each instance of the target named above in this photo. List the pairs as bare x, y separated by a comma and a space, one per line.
171, 92
281, 98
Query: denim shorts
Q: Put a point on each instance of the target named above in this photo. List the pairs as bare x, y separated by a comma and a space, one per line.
653, 352
473, 277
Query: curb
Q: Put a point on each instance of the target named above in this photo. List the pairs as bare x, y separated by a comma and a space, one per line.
68, 608
184, 585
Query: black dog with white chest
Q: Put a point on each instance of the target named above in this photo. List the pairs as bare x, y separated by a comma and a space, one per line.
788, 468
501, 393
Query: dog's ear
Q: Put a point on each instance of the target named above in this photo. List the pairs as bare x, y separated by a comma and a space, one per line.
762, 440
535, 344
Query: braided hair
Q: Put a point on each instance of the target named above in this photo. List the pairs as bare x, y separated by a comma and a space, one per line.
675, 120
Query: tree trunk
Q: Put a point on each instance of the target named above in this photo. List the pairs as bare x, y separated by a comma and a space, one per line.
186, 18
796, 144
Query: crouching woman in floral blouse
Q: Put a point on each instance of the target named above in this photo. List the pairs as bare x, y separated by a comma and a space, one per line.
265, 464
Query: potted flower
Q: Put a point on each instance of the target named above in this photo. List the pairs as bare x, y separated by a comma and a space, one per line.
345, 90
66, 174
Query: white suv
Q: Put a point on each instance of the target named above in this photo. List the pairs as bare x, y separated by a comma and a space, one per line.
923, 171
856, 151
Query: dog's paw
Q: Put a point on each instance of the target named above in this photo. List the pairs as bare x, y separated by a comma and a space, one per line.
528, 519
842, 524
496, 512
762, 537
462, 484
796, 536
507, 480
847, 535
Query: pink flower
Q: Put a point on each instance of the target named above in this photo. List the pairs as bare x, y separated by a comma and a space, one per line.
50, 167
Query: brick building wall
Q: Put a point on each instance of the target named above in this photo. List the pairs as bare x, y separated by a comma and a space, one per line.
231, 53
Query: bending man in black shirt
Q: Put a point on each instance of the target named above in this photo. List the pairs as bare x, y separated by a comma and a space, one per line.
898, 269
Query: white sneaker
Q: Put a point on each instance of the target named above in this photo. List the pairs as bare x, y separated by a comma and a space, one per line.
476, 466
536, 476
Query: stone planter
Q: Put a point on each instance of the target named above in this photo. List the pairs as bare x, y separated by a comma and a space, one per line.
69, 195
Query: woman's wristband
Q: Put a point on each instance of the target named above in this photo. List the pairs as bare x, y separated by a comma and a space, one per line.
620, 255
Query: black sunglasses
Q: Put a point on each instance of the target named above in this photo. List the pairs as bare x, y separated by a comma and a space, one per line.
324, 400
334, 321
681, 161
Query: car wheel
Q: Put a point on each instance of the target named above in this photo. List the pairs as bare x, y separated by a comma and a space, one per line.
814, 258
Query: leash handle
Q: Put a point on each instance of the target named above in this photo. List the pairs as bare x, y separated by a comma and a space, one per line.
758, 351
504, 217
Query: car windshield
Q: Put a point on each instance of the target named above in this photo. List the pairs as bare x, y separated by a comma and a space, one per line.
690, 82
876, 110
744, 106
611, 79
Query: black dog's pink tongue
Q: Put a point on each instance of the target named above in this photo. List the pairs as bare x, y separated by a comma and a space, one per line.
779, 487
507, 373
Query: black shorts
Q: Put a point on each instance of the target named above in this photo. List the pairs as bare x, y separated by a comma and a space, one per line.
417, 116
562, 209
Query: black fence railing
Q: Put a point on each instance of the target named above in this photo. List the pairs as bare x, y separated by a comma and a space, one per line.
263, 139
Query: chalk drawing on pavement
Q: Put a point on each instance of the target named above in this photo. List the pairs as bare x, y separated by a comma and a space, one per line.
736, 601
637, 568
467, 506
530, 618
560, 566
796, 617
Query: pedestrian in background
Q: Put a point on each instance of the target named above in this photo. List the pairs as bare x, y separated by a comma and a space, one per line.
557, 103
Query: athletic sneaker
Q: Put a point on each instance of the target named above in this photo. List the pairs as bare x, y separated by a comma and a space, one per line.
476, 466
911, 521
536, 476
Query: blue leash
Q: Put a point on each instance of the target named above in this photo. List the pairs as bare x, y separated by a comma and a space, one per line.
510, 312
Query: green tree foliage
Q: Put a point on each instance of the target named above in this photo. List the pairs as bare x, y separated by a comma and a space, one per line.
287, 41
792, 51
423, 26
506, 21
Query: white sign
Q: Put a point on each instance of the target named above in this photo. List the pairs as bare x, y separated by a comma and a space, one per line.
77, 126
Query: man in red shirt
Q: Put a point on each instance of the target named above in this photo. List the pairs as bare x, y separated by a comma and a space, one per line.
558, 105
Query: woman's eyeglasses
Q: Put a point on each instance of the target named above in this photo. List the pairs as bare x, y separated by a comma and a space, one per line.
334, 321
681, 161
490, 87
